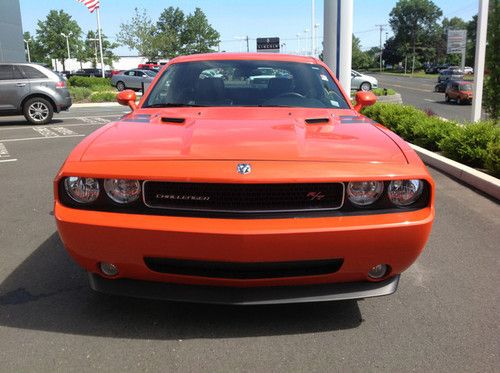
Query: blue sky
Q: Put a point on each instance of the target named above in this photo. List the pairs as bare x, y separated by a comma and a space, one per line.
236, 18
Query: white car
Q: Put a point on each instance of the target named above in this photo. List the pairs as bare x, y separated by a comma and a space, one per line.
362, 82
468, 70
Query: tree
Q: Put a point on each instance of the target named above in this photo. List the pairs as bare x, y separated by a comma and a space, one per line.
492, 86
199, 36
411, 20
140, 34
37, 53
360, 59
89, 50
50, 38
174, 34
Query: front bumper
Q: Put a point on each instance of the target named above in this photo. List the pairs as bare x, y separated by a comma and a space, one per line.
245, 296
361, 242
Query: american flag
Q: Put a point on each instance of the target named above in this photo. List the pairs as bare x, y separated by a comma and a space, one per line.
91, 4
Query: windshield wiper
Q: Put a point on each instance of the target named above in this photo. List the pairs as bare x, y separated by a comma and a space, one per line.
262, 105
173, 104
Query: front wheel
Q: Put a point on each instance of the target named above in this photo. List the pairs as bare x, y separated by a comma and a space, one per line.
120, 86
365, 86
38, 110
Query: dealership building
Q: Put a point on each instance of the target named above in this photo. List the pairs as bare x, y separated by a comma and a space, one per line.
11, 32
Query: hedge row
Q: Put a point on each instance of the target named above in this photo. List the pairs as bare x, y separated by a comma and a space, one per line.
103, 96
93, 83
475, 144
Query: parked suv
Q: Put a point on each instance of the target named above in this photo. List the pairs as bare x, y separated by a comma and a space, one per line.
450, 74
33, 91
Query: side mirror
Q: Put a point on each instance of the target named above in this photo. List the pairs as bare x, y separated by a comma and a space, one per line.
364, 99
127, 98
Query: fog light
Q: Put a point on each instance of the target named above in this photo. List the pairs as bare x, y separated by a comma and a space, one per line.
378, 271
108, 269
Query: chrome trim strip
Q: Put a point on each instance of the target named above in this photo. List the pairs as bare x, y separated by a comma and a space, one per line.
241, 211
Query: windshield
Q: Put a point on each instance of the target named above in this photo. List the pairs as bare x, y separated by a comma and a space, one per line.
466, 87
246, 83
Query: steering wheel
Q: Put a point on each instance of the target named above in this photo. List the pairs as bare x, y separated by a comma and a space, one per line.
290, 94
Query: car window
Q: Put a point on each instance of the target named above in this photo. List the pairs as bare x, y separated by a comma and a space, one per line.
6, 72
246, 83
139, 73
31, 73
129, 73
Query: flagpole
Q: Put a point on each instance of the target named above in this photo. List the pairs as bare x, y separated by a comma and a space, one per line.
100, 40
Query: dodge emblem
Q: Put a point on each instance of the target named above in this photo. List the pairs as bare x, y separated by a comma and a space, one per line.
244, 168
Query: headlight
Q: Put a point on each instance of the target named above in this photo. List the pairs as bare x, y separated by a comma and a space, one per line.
363, 193
82, 189
122, 191
405, 192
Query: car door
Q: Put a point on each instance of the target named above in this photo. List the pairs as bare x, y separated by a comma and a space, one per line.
355, 80
129, 78
139, 78
13, 87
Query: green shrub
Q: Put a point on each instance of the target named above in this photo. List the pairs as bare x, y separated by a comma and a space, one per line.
380, 92
79, 93
469, 143
475, 144
492, 161
103, 96
89, 82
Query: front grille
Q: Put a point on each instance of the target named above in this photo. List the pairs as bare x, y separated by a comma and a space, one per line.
237, 270
243, 198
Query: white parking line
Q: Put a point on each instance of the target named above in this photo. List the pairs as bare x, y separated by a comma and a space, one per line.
94, 120
8, 160
44, 131
41, 138
63, 131
4, 153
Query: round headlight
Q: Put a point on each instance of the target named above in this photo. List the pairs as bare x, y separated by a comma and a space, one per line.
82, 189
122, 190
363, 193
404, 192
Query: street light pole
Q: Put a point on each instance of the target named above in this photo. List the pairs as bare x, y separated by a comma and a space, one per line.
67, 41
28, 49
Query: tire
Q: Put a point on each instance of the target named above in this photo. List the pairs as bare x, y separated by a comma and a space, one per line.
38, 110
447, 98
365, 86
120, 86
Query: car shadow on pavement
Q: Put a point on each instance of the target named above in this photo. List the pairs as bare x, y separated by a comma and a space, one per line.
49, 292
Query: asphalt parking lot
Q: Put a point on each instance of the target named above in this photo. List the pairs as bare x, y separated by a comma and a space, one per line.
419, 92
444, 316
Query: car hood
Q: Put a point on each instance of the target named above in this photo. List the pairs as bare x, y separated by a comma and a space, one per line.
243, 134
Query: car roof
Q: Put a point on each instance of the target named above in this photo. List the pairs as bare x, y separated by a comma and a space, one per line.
244, 56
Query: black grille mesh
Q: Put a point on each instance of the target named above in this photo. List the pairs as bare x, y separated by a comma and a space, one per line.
243, 197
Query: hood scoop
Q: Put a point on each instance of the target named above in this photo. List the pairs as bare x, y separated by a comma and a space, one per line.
317, 120
173, 120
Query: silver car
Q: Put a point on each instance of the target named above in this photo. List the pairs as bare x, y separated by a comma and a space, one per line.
362, 82
33, 91
133, 79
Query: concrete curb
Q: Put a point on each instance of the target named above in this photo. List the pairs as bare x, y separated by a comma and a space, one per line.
394, 99
479, 180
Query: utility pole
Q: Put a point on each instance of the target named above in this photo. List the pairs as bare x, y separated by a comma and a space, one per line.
298, 43
248, 45
482, 27
381, 28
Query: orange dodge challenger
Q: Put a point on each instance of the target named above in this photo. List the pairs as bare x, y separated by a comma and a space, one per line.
244, 179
